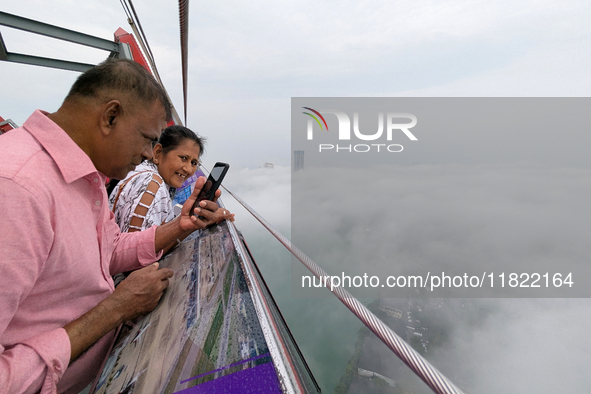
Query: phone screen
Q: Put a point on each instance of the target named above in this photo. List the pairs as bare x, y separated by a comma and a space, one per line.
213, 182
214, 176
215, 173
205, 190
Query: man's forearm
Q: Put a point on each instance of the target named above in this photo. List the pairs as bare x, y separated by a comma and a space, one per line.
207, 213
135, 296
168, 233
92, 326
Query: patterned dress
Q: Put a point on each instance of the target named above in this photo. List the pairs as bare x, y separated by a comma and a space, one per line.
134, 186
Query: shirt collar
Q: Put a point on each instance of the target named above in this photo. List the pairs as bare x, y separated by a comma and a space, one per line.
72, 161
146, 166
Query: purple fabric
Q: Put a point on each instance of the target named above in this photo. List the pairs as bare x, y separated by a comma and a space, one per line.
192, 179
257, 380
226, 367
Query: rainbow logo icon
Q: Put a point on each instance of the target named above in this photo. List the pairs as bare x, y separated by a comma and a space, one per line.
315, 118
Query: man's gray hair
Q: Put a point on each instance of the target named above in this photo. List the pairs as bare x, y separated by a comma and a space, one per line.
124, 76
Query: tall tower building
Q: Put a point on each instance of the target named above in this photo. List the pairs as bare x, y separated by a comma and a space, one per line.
298, 160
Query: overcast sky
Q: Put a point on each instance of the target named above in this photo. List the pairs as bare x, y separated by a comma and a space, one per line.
247, 59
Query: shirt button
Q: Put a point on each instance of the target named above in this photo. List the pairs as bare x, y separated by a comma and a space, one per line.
95, 180
97, 203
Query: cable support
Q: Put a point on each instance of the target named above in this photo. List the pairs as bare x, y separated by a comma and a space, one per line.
143, 35
184, 31
134, 23
419, 365
125, 9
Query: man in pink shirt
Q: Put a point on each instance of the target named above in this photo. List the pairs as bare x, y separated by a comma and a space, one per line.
59, 244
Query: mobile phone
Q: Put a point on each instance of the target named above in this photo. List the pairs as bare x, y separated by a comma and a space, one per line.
214, 180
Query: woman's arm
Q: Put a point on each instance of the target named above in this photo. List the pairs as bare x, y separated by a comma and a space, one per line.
154, 206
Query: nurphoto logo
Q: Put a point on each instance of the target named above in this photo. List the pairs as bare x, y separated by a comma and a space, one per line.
393, 124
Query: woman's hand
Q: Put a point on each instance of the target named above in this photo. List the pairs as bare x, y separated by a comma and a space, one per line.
223, 214
205, 214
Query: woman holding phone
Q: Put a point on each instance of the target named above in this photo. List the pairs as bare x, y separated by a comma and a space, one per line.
143, 199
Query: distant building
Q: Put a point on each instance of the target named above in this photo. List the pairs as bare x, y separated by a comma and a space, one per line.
269, 165
391, 311
298, 160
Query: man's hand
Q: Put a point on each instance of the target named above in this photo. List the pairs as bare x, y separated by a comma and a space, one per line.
140, 292
135, 296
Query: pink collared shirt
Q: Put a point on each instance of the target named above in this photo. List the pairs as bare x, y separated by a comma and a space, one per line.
59, 246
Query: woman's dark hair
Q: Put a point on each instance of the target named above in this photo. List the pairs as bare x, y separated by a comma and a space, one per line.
173, 136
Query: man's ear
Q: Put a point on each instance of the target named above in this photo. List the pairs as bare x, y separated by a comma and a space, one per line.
110, 114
